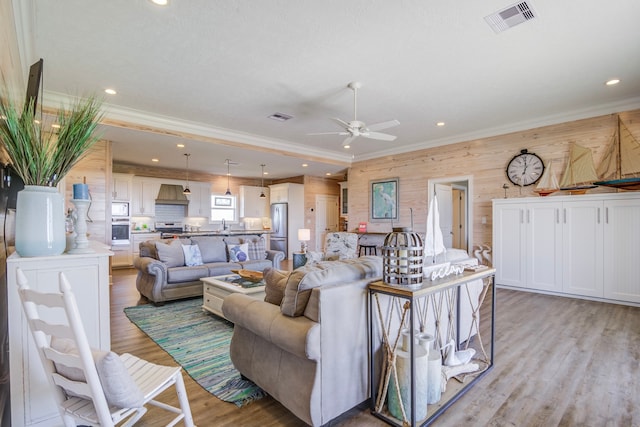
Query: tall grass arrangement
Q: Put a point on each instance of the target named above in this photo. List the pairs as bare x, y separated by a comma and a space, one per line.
44, 156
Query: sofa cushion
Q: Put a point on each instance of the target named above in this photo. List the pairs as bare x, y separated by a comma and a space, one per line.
326, 273
256, 265
212, 248
171, 252
275, 282
192, 255
221, 268
238, 253
186, 274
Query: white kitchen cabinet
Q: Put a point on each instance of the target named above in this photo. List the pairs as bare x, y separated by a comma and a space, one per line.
121, 184
279, 193
144, 193
199, 200
137, 238
251, 204
622, 249
32, 403
122, 255
583, 246
344, 198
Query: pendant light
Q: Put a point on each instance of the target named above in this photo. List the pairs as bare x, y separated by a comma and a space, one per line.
186, 190
228, 192
262, 195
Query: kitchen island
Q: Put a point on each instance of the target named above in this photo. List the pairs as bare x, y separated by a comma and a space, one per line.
187, 234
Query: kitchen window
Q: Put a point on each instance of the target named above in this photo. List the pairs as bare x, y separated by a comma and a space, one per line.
223, 208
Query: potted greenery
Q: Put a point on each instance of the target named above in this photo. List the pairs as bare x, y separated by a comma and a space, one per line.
42, 157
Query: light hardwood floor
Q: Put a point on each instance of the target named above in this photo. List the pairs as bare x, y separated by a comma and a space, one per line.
558, 362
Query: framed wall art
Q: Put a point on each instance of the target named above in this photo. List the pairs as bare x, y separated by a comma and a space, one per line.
384, 200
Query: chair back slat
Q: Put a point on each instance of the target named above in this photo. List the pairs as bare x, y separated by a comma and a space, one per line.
51, 300
51, 329
66, 359
77, 388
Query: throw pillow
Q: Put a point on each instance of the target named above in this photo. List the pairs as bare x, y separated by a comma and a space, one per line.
257, 248
171, 252
314, 257
238, 253
212, 248
119, 388
192, 255
275, 282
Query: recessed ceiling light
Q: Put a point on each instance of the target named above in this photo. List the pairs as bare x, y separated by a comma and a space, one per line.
304, 165
110, 91
160, 2
328, 173
180, 145
612, 82
347, 146
440, 124
280, 117
155, 160
265, 173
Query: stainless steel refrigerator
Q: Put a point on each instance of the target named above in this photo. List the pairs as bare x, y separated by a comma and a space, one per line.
279, 228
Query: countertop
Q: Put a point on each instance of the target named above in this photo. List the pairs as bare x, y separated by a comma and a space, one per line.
220, 233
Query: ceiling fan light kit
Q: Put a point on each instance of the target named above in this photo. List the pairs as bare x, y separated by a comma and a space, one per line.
356, 128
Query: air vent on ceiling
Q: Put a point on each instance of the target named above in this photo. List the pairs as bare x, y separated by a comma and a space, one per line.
510, 16
281, 117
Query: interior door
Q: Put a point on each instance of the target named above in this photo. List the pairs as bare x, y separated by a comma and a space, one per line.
326, 218
445, 208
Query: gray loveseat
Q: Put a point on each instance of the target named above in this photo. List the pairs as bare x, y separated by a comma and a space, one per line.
170, 269
306, 344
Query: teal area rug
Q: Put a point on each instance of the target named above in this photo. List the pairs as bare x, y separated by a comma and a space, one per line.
199, 342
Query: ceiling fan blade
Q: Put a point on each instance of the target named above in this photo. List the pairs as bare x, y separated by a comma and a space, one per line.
384, 125
341, 122
328, 133
379, 135
348, 140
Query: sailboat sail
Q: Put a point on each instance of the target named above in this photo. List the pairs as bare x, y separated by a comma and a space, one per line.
620, 165
433, 242
580, 172
548, 182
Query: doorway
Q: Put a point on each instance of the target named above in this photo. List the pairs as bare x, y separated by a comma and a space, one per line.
455, 209
326, 218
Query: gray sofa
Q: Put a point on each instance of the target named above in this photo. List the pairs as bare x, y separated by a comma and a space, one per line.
306, 344
165, 273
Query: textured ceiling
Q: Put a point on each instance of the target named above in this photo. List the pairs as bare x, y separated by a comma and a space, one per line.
214, 70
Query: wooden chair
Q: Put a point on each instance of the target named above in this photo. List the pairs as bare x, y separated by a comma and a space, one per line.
90, 386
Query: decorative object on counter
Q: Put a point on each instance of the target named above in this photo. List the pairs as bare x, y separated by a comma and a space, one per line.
433, 241
186, 190
70, 225
548, 182
304, 235
505, 187
620, 165
42, 158
402, 258
82, 243
454, 357
80, 192
362, 227
446, 270
262, 195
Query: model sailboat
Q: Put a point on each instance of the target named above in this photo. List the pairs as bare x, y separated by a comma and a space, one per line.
620, 166
580, 173
548, 183
433, 242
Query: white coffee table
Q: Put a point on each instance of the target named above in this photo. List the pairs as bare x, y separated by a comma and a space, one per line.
216, 289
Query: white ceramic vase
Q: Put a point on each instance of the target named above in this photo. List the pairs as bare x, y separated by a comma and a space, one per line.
40, 228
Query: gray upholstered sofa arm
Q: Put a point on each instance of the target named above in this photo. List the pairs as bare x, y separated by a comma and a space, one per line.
152, 276
275, 257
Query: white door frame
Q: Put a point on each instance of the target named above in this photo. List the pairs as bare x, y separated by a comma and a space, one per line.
463, 181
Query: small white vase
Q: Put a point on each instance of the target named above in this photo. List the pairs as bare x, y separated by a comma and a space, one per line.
40, 229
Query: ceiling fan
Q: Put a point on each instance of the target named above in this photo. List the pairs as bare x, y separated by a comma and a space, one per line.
356, 128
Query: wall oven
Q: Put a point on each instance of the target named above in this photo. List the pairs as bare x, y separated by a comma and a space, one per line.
120, 230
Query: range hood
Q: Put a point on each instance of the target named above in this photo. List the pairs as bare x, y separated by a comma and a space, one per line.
170, 194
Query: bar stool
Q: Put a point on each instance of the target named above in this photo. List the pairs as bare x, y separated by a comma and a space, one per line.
368, 250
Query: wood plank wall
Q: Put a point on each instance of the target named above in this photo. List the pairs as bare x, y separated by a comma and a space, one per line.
485, 160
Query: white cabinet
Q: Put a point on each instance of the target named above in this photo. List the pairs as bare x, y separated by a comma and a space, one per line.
251, 204
279, 193
578, 245
137, 238
200, 199
143, 201
527, 244
32, 403
122, 255
622, 249
121, 187
582, 247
